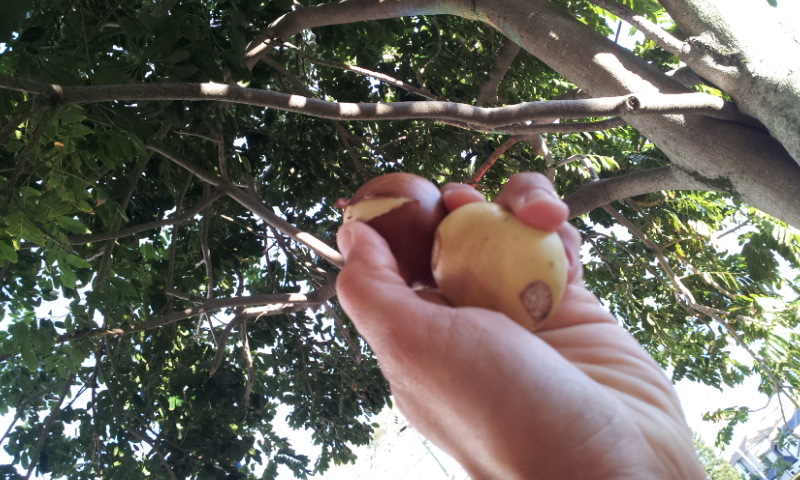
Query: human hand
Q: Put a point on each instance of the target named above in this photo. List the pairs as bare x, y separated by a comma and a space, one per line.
578, 399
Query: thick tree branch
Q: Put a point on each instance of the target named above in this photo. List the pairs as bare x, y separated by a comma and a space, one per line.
488, 91
605, 191
737, 52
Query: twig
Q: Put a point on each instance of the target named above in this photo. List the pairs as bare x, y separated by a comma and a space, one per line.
248, 361
253, 203
173, 244
222, 342
356, 355
175, 219
422, 92
496, 154
133, 430
340, 130
37, 449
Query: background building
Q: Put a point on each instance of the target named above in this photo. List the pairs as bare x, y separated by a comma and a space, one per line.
770, 449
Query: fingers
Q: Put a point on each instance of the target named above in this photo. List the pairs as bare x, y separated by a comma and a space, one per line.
532, 199
571, 239
529, 195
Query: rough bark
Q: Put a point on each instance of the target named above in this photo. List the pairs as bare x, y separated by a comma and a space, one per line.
753, 58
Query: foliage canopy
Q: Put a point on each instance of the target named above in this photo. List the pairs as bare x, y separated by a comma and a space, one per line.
166, 243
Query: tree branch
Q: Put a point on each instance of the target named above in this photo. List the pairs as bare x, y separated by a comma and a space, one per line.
717, 152
48, 423
126, 232
487, 94
602, 192
335, 13
251, 202
496, 154
487, 118
248, 361
256, 306
422, 92
650, 30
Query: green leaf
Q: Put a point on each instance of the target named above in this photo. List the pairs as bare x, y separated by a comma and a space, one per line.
77, 261
68, 278
124, 287
29, 358
8, 252
72, 225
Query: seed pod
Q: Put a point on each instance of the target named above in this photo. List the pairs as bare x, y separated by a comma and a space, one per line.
405, 209
485, 257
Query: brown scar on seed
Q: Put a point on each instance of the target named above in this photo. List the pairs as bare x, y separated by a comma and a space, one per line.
537, 300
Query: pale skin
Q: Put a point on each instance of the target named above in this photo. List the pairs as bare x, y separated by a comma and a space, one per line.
578, 398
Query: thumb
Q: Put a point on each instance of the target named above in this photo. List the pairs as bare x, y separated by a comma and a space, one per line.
372, 292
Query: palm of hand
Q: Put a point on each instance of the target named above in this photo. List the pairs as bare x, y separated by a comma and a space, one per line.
575, 398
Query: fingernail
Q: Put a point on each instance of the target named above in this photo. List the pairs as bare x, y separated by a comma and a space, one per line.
451, 188
530, 197
344, 238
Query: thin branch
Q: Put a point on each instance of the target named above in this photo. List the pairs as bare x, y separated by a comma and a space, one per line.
488, 91
496, 154
344, 137
632, 104
205, 227
248, 361
37, 449
142, 436
253, 203
172, 220
650, 30
256, 306
686, 299
333, 13
422, 92
222, 342
108, 249
340, 129
173, 244
356, 352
